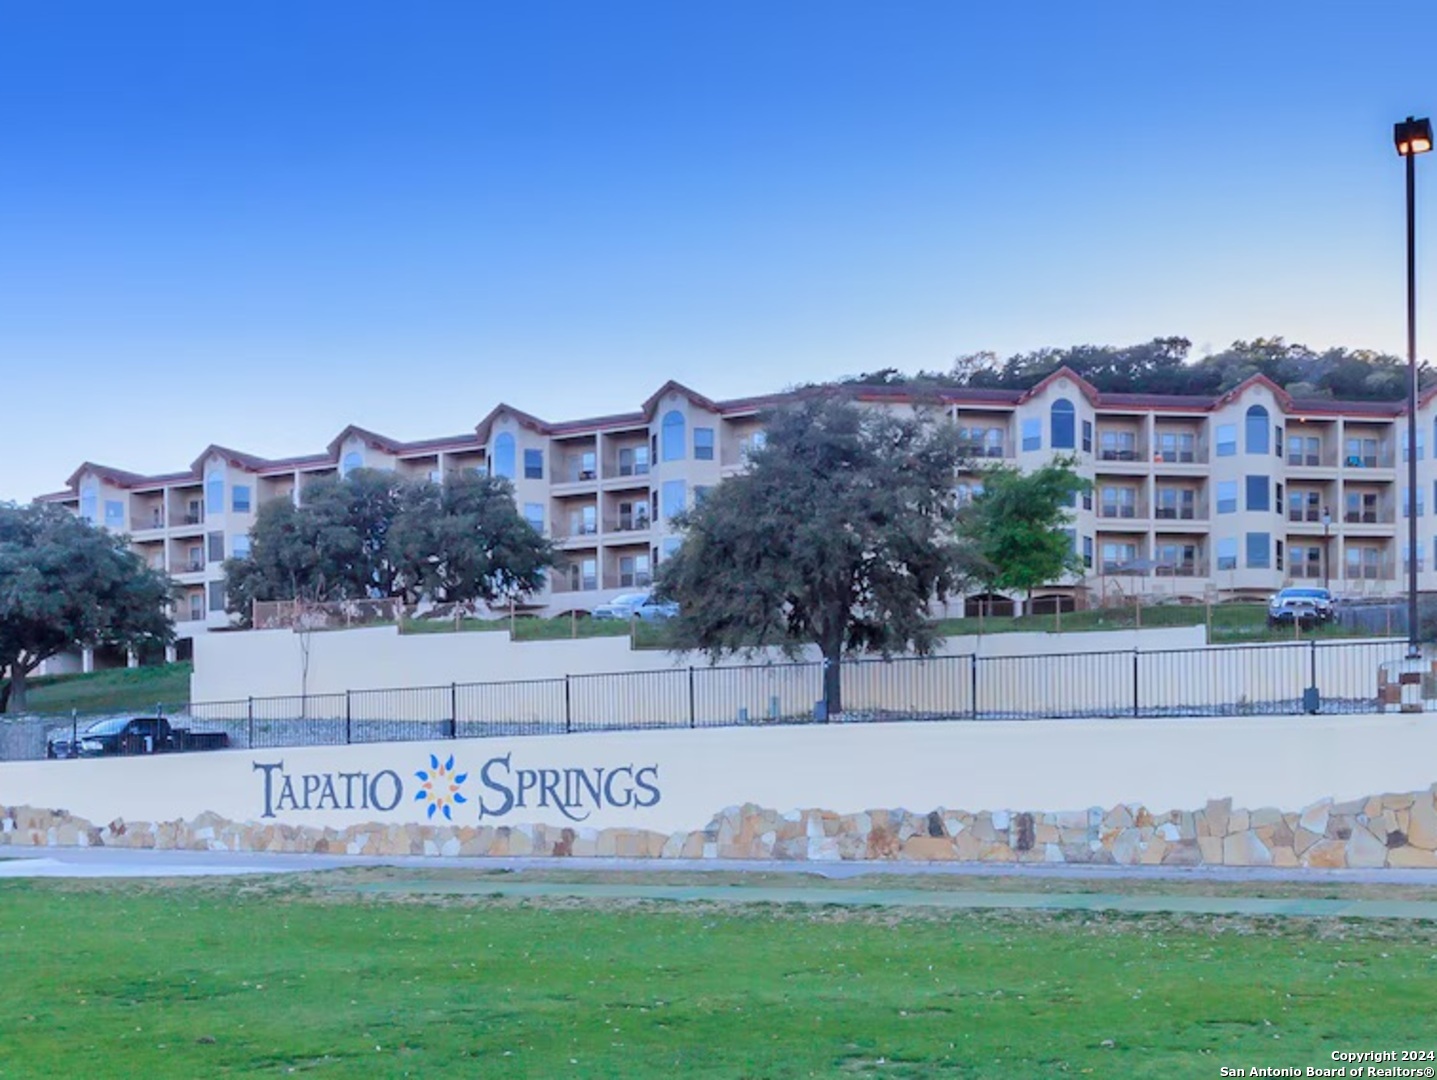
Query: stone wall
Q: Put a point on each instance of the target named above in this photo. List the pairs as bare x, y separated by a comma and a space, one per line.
1389, 830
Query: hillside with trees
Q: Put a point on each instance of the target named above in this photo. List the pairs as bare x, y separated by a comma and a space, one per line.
1166, 366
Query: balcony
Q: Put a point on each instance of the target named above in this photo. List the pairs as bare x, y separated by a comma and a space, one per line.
1120, 454
188, 566
1307, 514
627, 523
1118, 510
1175, 513
982, 450
639, 579
1367, 461
574, 474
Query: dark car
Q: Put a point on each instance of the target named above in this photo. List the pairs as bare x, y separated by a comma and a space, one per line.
119, 735
1300, 605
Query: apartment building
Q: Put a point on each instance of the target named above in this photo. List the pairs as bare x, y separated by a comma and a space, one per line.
1233, 495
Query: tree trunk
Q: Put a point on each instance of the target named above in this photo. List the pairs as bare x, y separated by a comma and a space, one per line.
15, 690
832, 681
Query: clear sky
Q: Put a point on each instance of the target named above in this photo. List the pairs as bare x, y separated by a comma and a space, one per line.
252, 223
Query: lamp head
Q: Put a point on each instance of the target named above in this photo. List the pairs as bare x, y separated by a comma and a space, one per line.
1412, 136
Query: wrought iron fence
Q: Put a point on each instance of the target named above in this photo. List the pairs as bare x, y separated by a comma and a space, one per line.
1237, 680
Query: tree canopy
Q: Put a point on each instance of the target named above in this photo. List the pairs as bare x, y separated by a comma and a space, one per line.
378, 534
1165, 366
840, 534
65, 584
1015, 526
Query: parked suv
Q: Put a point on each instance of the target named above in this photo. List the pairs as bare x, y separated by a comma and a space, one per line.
1301, 605
637, 605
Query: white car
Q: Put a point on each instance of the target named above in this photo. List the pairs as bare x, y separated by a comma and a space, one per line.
638, 605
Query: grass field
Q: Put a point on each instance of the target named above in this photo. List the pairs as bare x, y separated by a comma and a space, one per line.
282, 977
121, 689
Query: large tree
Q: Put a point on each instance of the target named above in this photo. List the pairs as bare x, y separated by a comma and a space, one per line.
840, 534
66, 584
377, 534
1015, 527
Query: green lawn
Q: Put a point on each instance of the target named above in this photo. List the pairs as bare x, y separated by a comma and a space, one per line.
258, 979
121, 689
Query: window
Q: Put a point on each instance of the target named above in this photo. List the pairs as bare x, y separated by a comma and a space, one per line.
239, 546
634, 461
114, 514
703, 444
1118, 556
1176, 503
634, 571
1176, 446
1087, 498
1278, 545
217, 595
1259, 492
1072, 535
534, 515
351, 461
1032, 434
89, 503
197, 605
588, 465
1062, 418
671, 545
1304, 450
1227, 496
215, 541
504, 458
584, 521
1307, 562
1406, 510
633, 515
1227, 553
674, 493
1119, 502
1088, 552
1176, 560
966, 491
1259, 550
1362, 508
1118, 445
215, 493
1359, 453
533, 464
588, 574
1256, 432
1226, 440
1421, 556
1088, 449
672, 431
1304, 506
701, 492
975, 441
240, 499
1277, 445
1421, 445
197, 558
1363, 562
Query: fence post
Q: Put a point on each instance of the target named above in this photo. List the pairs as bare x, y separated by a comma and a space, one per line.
249, 717
74, 732
454, 710
1136, 707
693, 714
973, 681
348, 720
568, 711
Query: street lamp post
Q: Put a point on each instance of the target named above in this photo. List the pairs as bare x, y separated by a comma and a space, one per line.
1326, 548
1412, 137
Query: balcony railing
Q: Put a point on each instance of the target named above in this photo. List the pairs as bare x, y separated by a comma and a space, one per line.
1304, 515
573, 474
1110, 454
188, 566
981, 450
1176, 457
1307, 570
1367, 461
639, 579
565, 584
1175, 513
1111, 510
627, 523
1369, 517
630, 470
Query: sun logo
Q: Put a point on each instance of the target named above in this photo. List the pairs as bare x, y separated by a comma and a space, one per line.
440, 787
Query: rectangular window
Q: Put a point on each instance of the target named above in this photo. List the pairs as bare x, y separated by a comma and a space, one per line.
1176, 504
1360, 453
1421, 443
196, 560
1087, 498
1362, 508
703, 444
239, 546
533, 464
1227, 553
1421, 556
1259, 550
1406, 510
1277, 445
114, 514
1176, 560
240, 499
589, 574
1226, 440
701, 492
1227, 496
634, 571
197, 605
673, 496
1032, 434
588, 466
534, 515
216, 543
1176, 446
671, 545
1088, 552
634, 461
1088, 449
1278, 545
1119, 502
1259, 492
1118, 446
1118, 556
217, 595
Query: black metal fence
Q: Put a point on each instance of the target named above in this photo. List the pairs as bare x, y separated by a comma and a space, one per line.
1266, 679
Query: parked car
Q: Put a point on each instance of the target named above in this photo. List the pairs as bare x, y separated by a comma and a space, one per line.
117, 735
1301, 605
638, 605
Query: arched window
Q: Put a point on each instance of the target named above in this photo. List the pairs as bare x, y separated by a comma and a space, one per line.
1063, 420
672, 436
1258, 433
351, 461
214, 492
504, 456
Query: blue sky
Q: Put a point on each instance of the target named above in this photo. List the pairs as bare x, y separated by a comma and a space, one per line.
255, 223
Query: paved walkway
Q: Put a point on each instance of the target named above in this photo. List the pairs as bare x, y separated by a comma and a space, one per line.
111, 863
